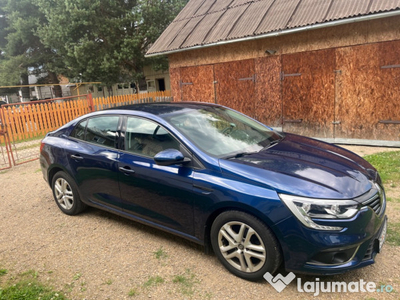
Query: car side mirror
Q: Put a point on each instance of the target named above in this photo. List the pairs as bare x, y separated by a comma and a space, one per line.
170, 157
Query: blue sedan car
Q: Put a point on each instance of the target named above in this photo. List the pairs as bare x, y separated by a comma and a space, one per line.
258, 198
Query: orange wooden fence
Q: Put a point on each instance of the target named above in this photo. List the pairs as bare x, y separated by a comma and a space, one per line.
102, 103
25, 121
29, 121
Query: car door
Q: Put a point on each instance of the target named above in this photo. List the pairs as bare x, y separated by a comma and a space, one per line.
93, 159
158, 194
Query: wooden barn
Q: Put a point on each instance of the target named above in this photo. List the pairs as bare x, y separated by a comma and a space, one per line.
328, 69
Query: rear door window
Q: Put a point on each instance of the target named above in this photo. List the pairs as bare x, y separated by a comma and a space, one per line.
99, 130
79, 130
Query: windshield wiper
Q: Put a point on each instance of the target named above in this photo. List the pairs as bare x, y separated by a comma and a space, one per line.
272, 143
240, 154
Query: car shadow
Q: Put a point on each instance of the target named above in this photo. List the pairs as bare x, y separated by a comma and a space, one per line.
146, 229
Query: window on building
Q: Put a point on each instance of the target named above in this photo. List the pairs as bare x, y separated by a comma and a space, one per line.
151, 84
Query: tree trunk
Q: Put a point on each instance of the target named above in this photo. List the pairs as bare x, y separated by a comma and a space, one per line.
110, 91
26, 96
137, 87
57, 88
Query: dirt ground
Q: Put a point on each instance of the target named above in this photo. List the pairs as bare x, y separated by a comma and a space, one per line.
97, 255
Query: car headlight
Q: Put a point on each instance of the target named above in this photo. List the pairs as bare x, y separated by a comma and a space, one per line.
306, 209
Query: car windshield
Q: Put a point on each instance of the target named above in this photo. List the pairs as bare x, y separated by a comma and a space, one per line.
222, 132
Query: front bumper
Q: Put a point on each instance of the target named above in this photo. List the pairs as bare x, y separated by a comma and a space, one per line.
363, 255
327, 253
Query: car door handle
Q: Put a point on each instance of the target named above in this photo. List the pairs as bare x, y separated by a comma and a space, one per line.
205, 190
77, 157
126, 170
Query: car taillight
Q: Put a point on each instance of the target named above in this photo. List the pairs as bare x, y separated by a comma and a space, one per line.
41, 146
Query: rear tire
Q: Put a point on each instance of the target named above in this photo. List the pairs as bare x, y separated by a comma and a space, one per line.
245, 245
66, 194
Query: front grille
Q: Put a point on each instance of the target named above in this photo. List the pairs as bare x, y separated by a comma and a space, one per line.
375, 202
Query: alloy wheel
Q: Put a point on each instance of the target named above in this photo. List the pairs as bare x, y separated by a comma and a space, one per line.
241, 246
64, 194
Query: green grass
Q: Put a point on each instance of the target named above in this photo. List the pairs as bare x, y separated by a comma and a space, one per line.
38, 137
133, 293
28, 147
393, 234
30, 273
186, 282
160, 253
29, 290
154, 280
83, 287
26, 286
77, 276
388, 166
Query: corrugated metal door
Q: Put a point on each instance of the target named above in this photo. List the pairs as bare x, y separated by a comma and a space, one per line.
308, 93
197, 83
235, 85
368, 92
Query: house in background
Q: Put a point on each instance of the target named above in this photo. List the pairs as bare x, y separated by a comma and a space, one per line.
156, 80
153, 81
46, 91
98, 90
38, 90
327, 69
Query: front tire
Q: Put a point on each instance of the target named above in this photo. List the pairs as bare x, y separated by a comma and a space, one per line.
66, 194
245, 245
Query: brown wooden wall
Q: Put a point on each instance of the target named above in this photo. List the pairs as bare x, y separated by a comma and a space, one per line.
196, 83
360, 33
368, 95
268, 99
308, 93
175, 79
346, 92
235, 85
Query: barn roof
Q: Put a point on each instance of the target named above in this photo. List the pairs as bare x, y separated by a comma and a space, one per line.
212, 22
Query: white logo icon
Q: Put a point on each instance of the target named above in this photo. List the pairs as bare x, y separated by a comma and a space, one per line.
279, 282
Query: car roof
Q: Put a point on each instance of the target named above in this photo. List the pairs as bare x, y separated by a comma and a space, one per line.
161, 108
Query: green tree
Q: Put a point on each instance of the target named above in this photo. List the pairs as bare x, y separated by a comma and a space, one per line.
22, 52
105, 40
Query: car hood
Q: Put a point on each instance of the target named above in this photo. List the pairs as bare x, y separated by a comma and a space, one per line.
305, 167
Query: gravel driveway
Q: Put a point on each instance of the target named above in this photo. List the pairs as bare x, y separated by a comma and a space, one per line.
97, 255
